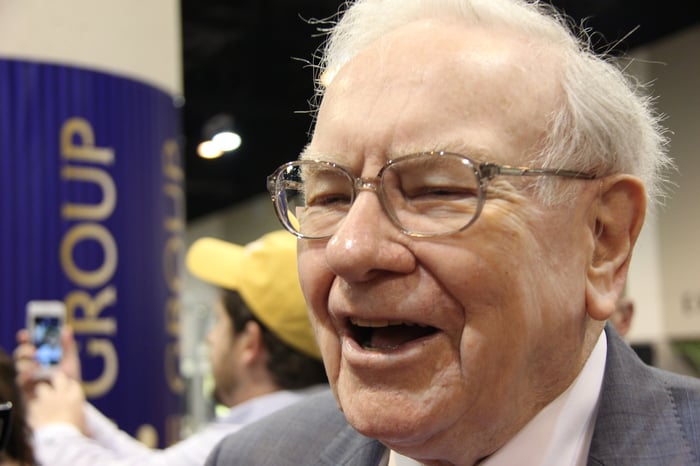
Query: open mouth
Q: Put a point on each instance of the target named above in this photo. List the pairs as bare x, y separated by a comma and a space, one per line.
382, 335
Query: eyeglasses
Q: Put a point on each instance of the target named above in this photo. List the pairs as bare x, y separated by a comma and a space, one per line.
425, 195
5, 413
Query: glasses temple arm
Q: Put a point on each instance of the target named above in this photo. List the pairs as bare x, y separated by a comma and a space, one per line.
490, 170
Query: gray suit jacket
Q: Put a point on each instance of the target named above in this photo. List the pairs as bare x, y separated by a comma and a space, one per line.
647, 417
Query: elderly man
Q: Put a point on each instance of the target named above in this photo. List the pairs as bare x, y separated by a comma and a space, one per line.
467, 209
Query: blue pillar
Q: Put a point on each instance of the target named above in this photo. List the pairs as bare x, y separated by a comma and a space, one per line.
92, 213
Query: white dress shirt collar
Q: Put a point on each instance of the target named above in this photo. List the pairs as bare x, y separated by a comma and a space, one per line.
560, 434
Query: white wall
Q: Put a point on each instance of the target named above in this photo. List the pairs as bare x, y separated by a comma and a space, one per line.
679, 225
132, 38
665, 267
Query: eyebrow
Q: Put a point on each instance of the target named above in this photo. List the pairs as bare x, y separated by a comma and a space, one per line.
307, 154
335, 157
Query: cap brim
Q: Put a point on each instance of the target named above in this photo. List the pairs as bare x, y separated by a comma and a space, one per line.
215, 261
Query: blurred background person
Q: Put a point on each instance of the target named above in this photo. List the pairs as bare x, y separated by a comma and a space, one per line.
262, 354
15, 447
622, 316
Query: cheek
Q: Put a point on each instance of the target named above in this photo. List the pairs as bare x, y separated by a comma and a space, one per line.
215, 346
526, 252
499, 279
329, 344
316, 280
519, 288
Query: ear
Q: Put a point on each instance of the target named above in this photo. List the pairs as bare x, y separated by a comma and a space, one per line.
622, 317
251, 341
616, 220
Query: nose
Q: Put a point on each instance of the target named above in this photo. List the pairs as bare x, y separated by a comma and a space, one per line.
367, 243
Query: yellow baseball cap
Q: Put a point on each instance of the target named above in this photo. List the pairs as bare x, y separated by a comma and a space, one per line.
264, 273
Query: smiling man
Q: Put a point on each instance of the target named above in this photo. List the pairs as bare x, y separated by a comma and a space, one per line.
467, 209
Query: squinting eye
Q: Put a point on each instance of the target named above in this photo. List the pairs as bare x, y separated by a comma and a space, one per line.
327, 199
327, 188
440, 192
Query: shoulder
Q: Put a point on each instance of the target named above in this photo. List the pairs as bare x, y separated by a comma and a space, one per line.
626, 374
296, 435
644, 412
684, 394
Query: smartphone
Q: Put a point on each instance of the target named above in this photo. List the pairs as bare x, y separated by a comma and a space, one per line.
45, 321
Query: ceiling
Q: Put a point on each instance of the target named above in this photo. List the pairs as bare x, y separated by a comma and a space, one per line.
248, 58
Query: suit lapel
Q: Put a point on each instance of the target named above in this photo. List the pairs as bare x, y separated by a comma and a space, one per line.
634, 424
351, 448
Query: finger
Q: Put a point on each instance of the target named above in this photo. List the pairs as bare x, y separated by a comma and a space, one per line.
26, 381
23, 336
70, 347
42, 389
60, 381
70, 362
72, 388
23, 352
25, 366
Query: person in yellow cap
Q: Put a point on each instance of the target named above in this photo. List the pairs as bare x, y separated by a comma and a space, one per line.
262, 352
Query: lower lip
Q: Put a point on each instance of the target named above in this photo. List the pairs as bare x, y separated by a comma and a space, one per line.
403, 355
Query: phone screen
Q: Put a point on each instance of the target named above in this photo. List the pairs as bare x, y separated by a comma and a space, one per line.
47, 340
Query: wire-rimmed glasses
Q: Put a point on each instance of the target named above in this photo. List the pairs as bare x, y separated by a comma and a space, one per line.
426, 194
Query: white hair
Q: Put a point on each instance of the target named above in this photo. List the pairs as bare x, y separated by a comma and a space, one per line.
606, 123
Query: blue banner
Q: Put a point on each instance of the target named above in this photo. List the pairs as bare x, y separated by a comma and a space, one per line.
92, 213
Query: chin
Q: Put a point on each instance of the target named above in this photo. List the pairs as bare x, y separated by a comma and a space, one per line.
393, 420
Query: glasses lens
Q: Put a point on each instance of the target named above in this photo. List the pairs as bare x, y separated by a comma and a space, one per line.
432, 194
314, 197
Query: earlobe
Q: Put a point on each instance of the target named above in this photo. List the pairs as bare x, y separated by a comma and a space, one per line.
616, 220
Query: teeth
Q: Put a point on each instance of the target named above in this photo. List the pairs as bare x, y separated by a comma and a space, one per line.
380, 323
369, 323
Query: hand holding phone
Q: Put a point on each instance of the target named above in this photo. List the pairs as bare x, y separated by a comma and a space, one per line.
45, 321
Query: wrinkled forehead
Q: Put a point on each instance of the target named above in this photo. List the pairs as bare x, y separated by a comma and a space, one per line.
444, 42
433, 81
